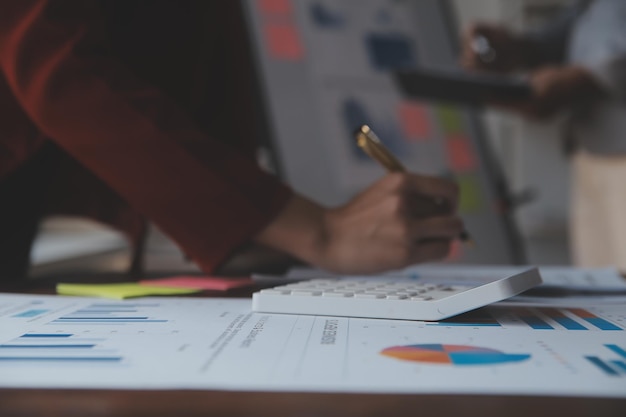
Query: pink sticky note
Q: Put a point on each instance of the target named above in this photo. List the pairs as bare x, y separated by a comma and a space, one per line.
199, 283
283, 41
460, 155
414, 120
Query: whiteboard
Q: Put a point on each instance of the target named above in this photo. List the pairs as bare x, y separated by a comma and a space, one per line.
325, 67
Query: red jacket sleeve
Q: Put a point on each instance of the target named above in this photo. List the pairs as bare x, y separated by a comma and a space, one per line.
204, 194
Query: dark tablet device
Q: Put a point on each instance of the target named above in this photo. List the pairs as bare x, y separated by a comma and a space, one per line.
461, 87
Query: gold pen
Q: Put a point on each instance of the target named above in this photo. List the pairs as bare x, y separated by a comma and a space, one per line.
369, 142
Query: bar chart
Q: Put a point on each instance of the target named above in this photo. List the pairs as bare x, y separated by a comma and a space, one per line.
110, 314
38, 348
571, 319
611, 367
535, 318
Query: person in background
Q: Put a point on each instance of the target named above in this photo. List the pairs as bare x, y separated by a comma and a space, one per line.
576, 65
131, 110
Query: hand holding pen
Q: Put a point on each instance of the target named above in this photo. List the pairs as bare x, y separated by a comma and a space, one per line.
369, 142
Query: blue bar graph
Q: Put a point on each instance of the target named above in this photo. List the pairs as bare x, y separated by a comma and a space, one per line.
451, 323
532, 320
602, 365
536, 319
602, 324
57, 348
102, 318
60, 359
476, 318
562, 319
611, 367
66, 346
106, 313
109, 320
121, 305
621, 352
620, 365
598, 322
30, 313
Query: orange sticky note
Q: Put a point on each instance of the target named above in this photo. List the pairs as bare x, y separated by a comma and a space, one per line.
460, 155
283, 41
414, 120
199, 282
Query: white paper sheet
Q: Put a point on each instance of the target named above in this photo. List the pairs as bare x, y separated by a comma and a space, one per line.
173, 343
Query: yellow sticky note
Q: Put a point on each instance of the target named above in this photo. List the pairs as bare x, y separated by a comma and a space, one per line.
119, 291
471, 199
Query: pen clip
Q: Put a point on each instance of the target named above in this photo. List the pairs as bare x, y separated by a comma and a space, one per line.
369, 142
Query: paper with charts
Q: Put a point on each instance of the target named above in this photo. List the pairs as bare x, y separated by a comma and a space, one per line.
173, 343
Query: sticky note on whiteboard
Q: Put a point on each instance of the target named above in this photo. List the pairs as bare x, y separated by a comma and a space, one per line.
460, 154
449, 119
415, 120
471, 196
283, 41
275, 7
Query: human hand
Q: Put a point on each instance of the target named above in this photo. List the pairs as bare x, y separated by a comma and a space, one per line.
554, 89
402, 219
487, 47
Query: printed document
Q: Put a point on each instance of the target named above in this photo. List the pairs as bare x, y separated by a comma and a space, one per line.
219, 344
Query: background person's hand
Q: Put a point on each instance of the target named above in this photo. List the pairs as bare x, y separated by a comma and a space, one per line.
400, 220
554, 89
508, 50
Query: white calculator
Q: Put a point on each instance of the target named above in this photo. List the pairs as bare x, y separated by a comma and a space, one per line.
390, 297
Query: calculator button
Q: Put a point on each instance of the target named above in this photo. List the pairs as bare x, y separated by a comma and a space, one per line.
305, 292
335, 294
369, 295
275, 291
396, 297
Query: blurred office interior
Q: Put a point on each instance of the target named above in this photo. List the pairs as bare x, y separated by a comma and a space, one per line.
530, 155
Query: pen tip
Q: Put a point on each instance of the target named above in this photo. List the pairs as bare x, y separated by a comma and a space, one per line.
467, 239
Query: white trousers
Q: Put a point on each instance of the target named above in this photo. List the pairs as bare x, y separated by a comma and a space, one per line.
598, 216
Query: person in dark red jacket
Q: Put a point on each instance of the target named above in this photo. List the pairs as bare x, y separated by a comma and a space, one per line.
127, 110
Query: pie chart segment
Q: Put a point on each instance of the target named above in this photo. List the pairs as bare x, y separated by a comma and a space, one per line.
460, 355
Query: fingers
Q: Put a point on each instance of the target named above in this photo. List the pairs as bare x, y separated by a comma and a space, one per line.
431, 250
471, 47
545, 99
421, 188
409, 231
432, 239
422, 206
436, 228
401, 220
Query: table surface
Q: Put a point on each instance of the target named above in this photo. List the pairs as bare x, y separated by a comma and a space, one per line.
182, 403
202, 403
